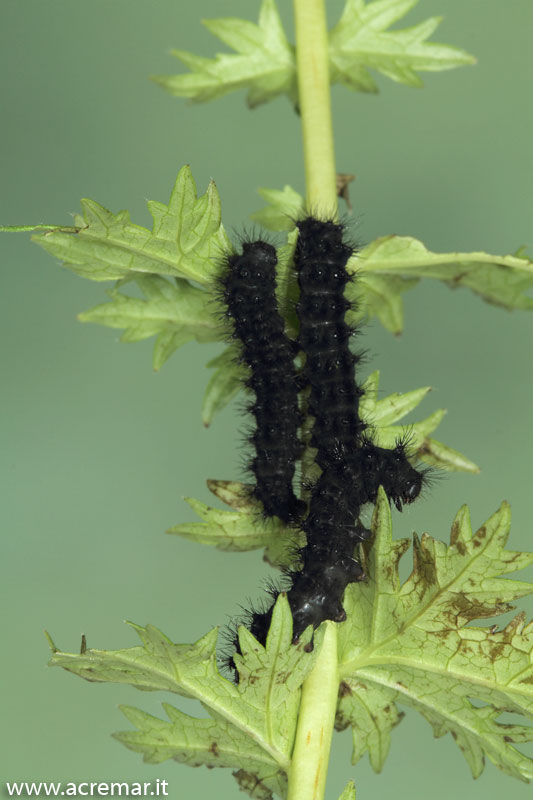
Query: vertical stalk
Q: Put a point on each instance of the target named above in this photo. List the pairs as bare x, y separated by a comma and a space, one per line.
310, 758
315, 106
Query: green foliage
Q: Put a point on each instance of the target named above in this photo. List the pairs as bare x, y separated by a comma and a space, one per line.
238, 530
265, 64
251, 726
413, 644
360, 42
186, 244
393, 264
186, 238
348, 792
410, 644
243, 528
174, 311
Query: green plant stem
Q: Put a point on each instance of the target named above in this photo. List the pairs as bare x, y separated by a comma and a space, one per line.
315, 106
310, 758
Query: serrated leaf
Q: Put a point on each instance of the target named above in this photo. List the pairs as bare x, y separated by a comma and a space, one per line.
192, 741
381, 414
409, 643
348, 792
186, 239
252, 725
224, 384
240, 530
360, 42
376, 716
381, 297
236, 531
234, 494
261, 785
244, 528
500, 280
264, 64
283, 207
176, 312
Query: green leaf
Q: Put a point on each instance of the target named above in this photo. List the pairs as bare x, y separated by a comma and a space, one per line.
381, 414
391, 265
348, 792
500, 280
360, 42
251, 725
186, 239
282, 209
176, 312
244, 528
193, 741
381, 297
240, 530
413, 644
225, 383
265, 64
370, 705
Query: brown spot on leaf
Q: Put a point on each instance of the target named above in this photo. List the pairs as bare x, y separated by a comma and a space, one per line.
213, 748
454, 533
344, 689
496, 649
481, 534
251, 784
456, 280
341, 721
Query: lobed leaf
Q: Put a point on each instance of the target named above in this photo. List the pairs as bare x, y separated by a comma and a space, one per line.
348, 792
264, 61
251, 725
264, 64
282, 209
176, 312
391, 265
414, 644
186, 239
360, 42
381, 414
240, 530
499, 280
225, 383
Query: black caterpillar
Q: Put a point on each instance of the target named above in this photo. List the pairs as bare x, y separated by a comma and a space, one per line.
248, 288
353, 467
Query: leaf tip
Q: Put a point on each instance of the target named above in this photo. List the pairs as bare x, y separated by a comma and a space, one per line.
51, 642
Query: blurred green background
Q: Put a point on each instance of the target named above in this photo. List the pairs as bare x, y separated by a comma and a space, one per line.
97, 451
